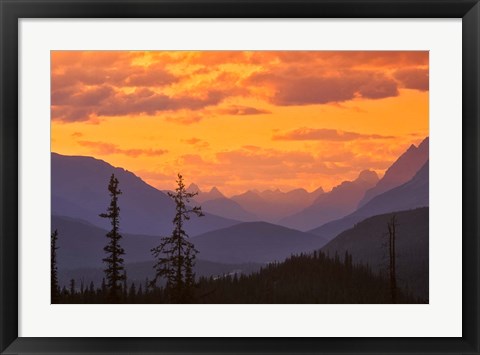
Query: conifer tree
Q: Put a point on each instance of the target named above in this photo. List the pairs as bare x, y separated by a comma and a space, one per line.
132, 293
392, 226
176, 254
104, 288
114, 270
72, 287
125, 290
91, 288
55, 290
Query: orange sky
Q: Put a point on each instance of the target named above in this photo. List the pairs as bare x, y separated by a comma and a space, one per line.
240, 120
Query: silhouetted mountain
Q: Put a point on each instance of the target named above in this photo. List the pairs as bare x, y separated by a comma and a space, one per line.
367, 242
254, 242
227, 208
271, 206
81, 244
410, 195
401, 171
79, 190
342, 200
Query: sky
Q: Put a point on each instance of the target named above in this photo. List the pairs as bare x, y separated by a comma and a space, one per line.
240, 120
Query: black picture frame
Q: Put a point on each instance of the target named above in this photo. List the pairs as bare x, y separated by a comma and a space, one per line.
13, 10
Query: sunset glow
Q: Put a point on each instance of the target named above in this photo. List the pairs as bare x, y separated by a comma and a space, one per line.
240, 120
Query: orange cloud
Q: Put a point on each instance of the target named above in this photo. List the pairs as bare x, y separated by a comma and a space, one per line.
108, 148
243, 111
326, 135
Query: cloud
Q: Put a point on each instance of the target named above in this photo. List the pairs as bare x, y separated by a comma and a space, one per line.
185, 118
294, 90
197, 142
377, 59
193, 140
89, 85
101, 67
417, 79
243, 111
105, 101
108, 148
154, 75
324, 134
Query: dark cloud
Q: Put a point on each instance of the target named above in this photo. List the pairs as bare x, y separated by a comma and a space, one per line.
293, 90
148, 102
417, 79
154, 75
104, 101
324, 134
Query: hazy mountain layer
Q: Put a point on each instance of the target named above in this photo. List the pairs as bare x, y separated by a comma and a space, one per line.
259, 242
227, 208
410, 195
81, 244
343, 199
273, 205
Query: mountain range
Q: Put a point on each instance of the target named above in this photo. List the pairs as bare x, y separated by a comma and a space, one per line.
216, 203
411, 195
273, 205
254, 227
334, 204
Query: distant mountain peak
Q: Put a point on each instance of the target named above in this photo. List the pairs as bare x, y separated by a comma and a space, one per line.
401, 171
424, 144
215, 193
367, 176
412, 147
193, 188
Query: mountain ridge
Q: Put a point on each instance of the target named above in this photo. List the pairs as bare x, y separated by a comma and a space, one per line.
410, 195
341, 200
402, 170
79, 190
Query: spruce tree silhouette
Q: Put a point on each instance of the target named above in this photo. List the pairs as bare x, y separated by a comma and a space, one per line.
114, 272
176, 254
55, 290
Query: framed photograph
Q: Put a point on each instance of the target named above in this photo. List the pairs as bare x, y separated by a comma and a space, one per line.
263, 177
